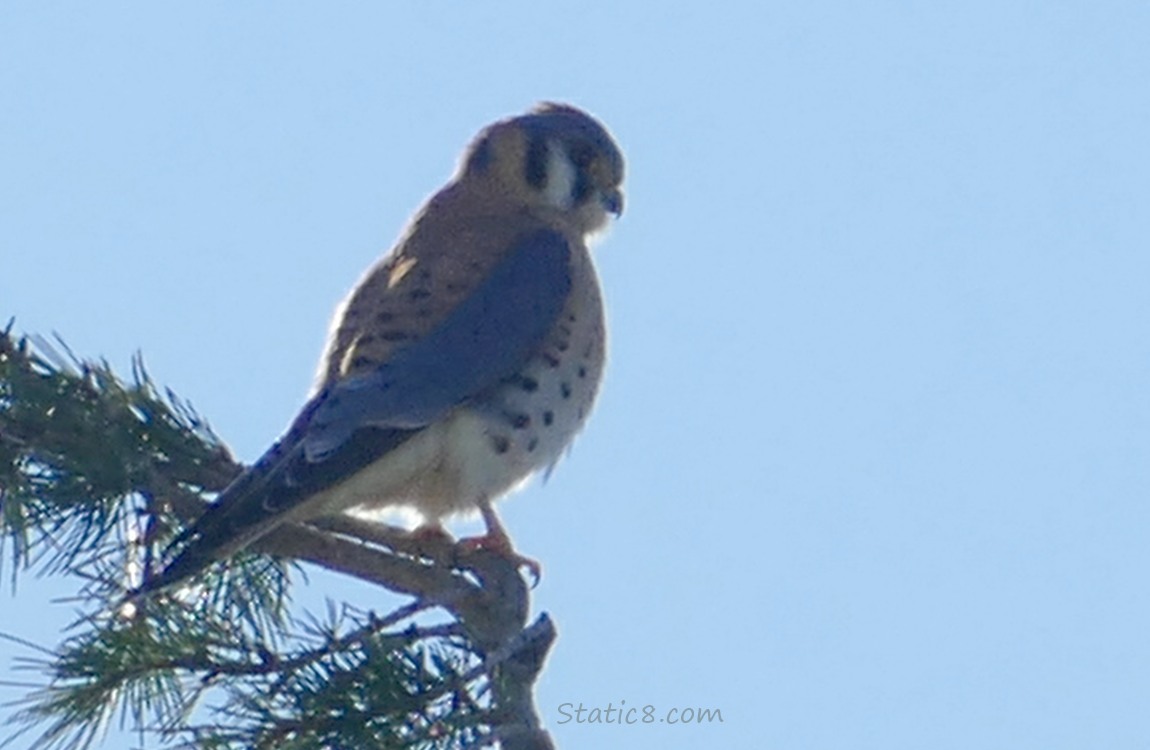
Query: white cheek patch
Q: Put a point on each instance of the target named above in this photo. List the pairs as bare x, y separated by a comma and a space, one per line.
561, 178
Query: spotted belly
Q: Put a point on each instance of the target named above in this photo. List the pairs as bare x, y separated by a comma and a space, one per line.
526, 423
494, 443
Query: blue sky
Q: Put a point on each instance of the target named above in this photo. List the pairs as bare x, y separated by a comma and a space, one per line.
871, 466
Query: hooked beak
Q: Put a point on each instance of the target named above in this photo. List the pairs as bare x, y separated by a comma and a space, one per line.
612, 201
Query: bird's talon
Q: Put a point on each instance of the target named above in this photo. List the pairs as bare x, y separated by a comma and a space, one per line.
501, 545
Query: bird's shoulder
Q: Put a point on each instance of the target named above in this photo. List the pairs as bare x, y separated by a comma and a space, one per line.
444, 255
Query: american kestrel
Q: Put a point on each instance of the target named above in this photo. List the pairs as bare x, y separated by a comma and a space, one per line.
464, 361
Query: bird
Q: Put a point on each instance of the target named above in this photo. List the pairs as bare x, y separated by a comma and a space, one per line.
463, 362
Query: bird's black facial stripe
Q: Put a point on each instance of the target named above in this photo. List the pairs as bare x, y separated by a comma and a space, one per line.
581, 154
481, 156
582, 189
535, 167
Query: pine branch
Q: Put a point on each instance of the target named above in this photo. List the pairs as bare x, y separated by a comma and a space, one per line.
98, 475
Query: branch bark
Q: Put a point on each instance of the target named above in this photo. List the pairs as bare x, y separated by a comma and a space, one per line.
483, 590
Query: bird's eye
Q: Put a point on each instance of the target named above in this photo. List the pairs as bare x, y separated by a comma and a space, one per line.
581, 155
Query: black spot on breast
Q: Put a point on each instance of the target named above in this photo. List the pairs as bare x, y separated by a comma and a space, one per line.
415, 295
365, 340
531, 446
517, 420
394, 336
528, 383
582, 371
362, 361
564, 329
549, 359
565, 389
548, 417
571, 317
562, 346
384, 317
500, 444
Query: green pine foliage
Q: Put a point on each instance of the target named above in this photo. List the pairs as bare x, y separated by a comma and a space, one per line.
98, 474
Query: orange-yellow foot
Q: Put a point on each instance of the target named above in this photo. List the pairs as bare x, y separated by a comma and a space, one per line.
498, 542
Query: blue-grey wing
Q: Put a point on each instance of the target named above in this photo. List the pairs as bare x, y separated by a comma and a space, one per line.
488, 337
350, 424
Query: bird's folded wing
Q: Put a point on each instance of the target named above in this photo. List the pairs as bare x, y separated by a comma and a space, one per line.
349, 424
489, 336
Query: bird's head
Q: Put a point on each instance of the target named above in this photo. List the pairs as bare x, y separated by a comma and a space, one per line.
556, 158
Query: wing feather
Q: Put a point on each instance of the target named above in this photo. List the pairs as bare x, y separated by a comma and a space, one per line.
350, 424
